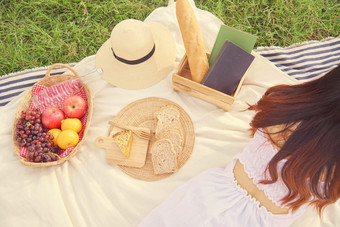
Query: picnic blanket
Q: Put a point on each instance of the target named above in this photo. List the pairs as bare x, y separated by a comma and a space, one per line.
87, 191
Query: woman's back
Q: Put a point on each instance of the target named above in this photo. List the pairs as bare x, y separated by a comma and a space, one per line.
309, 113
250, 170
215, 198
279, 171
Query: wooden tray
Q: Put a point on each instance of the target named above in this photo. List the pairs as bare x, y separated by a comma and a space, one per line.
140, 114
182, 81
137, 157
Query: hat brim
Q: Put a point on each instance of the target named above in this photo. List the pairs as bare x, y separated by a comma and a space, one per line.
144, 74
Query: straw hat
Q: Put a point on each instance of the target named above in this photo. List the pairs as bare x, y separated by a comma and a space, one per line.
137, 55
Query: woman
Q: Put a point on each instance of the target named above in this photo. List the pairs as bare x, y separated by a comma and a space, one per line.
292, 162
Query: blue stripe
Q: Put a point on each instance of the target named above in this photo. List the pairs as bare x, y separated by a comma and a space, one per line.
310, 46
23, 73
3, 103
21, 80
16, 87
318, 42
308, 66
312, 75
316, 66
300, 50
327, 40
299, 45
11, 95
314, 58
306, 54
26, 78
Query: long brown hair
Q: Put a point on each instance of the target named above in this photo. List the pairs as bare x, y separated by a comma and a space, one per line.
311, 111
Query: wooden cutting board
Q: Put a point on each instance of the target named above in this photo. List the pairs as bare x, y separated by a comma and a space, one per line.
138, 152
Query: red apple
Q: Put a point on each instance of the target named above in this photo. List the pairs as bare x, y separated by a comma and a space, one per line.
74, 106
51, 117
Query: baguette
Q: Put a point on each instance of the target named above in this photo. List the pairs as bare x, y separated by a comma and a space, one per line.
192, 39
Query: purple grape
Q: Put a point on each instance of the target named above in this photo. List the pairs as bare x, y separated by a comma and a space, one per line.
30, 133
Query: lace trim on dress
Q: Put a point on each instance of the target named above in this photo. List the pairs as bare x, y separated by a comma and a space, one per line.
256, 202
256, 167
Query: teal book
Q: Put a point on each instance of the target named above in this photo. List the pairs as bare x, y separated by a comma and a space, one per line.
242, 39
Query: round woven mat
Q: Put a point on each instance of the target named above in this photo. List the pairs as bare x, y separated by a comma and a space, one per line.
140, 114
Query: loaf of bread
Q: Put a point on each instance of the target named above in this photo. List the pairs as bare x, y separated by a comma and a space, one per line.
192, 39
163, 157
124, 141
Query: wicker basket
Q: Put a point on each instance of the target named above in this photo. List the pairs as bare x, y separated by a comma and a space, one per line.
49, 80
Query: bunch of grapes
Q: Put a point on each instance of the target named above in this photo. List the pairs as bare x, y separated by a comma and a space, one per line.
30, 133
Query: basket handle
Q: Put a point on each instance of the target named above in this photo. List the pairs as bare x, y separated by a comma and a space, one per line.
48, 72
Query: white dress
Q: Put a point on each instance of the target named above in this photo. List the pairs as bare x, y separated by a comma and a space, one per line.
213, 198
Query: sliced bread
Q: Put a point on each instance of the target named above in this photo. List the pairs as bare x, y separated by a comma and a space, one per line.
176, 140
165, 125
163, 157
167, 118
124, 141
169, 112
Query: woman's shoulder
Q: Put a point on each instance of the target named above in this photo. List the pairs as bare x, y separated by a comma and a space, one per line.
277, 135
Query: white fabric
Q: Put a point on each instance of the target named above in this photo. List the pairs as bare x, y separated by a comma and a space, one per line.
87, 191
213, 198
255, 158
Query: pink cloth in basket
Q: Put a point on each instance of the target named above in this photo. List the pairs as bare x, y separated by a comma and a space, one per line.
43, 97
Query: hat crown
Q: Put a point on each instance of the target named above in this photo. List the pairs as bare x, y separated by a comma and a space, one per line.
131, 40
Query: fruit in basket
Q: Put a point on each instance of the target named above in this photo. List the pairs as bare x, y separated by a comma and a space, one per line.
71, 123
74, 106
67, 138
51, 117
28, 127
55, 133
31, 134
41, 150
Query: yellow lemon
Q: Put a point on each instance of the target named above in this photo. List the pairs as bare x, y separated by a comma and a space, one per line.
67, 138
71, 123
55, 133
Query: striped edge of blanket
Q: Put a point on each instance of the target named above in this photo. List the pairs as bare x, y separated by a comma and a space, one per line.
13, 84
302, 61
305, 61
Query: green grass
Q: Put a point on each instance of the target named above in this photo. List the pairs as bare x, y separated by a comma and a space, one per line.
43, 32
